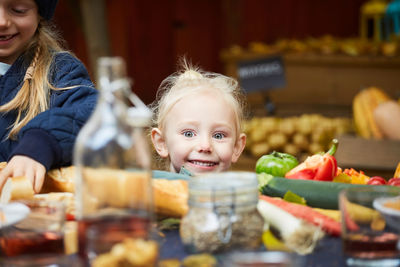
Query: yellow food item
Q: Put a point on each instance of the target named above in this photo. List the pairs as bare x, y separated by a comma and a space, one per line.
397, 172
342, 178
200, 260
356, 177
393, 204
359, 179
334, 214
129, 253
272, 243
169, 263
364, 104
361, 214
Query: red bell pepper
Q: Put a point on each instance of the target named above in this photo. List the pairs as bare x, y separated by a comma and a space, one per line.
317, 167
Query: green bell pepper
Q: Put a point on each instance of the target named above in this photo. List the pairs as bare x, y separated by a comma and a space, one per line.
276, 164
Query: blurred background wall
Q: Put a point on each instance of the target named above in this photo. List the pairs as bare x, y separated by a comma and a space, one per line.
152, 35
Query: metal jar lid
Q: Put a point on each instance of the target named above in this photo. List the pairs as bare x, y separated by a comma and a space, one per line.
236, 187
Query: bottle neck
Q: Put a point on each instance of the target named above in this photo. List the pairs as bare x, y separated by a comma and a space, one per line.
114, 97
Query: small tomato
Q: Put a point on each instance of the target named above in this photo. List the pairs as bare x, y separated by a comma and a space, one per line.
376, 180
394, 181
69, 217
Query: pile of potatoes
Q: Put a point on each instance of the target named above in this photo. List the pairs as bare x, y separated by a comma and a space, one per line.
306, 134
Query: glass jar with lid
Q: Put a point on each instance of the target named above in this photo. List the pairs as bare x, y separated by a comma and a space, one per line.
222, 213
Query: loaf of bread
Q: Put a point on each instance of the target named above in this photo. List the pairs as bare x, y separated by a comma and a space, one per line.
16, 188
122, 187
170, 197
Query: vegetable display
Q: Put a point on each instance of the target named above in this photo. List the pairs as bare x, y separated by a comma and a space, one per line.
297, 234
355, 177
276, 163
317, 167
296, 135
319, 194
326, 223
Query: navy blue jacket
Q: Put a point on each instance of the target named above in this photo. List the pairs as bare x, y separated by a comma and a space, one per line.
50, 136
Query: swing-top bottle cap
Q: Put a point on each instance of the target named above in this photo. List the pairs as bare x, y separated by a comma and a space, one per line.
139, 116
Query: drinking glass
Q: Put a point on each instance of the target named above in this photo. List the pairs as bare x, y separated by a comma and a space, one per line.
367, 238
31, 229
111, 242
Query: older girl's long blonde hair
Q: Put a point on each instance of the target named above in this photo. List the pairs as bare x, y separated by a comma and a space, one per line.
33, 97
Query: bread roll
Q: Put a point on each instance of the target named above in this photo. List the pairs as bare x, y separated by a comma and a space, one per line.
3, 164
16, 188
170, 197
121, 188
118, 188
60, 180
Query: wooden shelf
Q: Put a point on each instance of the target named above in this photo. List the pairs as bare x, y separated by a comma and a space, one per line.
315, 81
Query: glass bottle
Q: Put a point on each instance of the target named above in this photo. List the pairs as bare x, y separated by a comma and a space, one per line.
222, 213
112, 159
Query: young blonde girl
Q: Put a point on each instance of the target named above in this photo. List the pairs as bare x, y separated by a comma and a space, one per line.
198, 118
46, 94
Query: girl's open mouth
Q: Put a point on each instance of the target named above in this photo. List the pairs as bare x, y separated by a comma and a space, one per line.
7, 37
203, 163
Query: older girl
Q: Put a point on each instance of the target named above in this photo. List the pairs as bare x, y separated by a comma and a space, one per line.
46, 94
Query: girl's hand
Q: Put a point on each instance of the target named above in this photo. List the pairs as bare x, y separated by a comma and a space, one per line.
24, 166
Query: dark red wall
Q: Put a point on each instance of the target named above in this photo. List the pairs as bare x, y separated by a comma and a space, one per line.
152, 35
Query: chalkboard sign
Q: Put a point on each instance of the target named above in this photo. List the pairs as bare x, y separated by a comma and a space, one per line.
262, 74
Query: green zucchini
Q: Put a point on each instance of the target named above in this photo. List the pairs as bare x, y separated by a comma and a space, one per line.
317, 194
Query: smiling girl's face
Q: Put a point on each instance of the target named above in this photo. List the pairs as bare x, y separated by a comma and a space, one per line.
19, 20
200, 134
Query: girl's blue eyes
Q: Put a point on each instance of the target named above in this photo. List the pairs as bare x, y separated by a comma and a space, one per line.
188, 134
219, 135
191, 134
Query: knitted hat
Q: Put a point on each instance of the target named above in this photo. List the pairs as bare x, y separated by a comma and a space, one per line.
46, 8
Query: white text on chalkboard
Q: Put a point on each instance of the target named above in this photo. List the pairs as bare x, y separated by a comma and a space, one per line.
264, 69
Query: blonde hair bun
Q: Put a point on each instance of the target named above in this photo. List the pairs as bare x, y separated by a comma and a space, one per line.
190, 75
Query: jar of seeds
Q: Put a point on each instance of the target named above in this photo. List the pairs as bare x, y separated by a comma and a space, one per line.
222, 213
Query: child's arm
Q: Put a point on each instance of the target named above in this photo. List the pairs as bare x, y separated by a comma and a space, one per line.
24, 166
50, 136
